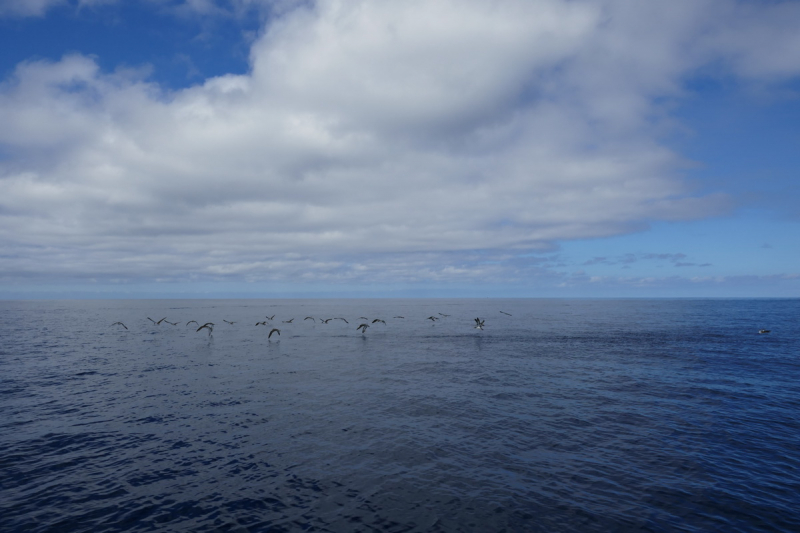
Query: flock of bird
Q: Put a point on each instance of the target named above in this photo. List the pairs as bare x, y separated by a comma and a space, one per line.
362, 327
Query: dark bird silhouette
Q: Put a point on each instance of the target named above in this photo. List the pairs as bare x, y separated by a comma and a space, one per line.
270, 317
326, 320
509, 314
171, 323
121, 324
364, 327
363, 318
156, 323
310, 318
444, 315
208, 325
432, 318
399, 317
379, 320
195, 321
287, 321
340, 318
479, 324
228, 322
274, 330
264, 323
761, 331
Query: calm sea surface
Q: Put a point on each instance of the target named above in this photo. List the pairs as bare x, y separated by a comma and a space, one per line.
561, 415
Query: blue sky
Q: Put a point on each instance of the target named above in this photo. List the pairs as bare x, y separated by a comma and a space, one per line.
553, 148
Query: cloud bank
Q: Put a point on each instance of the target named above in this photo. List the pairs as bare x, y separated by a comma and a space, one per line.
433, 140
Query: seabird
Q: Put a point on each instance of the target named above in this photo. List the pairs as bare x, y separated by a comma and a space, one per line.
310, 317
195, 321
172, 323
270, 317
228, 322
287, 321
264, 323
121, 324
479, 323
763, 331
398, 317
363, 318
444, 315
273, 331
509, 314
432, 318
339, 318
156, 323
208, 325
326, 320
364, 327
379, 320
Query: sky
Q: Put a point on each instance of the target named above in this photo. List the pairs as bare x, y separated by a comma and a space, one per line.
417, 148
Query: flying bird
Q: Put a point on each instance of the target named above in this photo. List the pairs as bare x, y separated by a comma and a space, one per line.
379, 320
270, 317
171, 323
121, 324
479, 324
208, 325
432, 318
287, 321
399, 317
156, 323
509, 314
310, 318
195, 321
264, 323
274, 330
228, 322
339, 318
364, 327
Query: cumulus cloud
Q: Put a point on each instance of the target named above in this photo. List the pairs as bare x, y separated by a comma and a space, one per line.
444, 137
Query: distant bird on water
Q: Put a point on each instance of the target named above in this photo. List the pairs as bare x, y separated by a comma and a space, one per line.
762, 331
121, 324
479, 323
274, 330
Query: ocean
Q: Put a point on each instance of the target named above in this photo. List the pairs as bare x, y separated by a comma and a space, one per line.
558, 416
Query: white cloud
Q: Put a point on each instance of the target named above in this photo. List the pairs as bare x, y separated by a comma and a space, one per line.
27, 8
421, 131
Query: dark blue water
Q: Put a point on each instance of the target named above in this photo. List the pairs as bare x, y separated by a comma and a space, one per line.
567, 415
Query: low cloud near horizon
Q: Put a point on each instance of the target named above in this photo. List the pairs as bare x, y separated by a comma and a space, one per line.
417, 141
